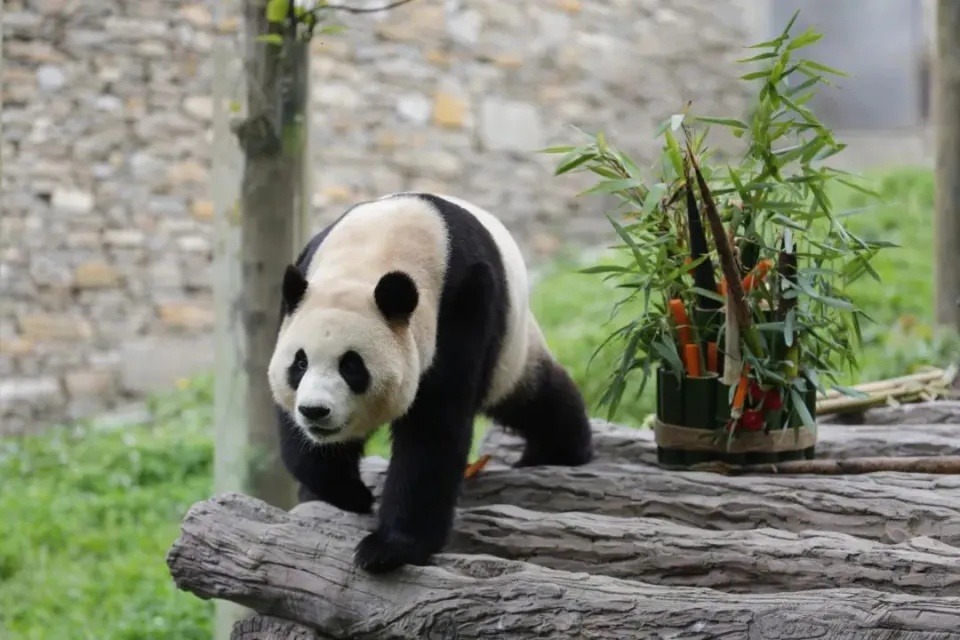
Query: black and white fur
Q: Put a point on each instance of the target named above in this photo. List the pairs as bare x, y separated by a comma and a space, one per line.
413, 309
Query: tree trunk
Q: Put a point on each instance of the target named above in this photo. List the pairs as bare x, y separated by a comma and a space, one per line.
244, 550
947, 109
662, 552
259, 231
624, 445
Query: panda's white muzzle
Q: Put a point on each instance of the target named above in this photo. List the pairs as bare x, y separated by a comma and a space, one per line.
322, 404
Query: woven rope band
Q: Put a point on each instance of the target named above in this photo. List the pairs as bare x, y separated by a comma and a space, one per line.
671, 436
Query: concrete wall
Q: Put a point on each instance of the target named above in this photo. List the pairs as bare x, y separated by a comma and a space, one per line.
106, 215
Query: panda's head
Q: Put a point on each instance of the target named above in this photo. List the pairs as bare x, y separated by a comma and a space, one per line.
345, 361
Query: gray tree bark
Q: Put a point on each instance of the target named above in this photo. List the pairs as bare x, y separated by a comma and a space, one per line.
947, 114
624, 445
259, 627
663, 552
258, 233
886, 507
911, 414
242, 549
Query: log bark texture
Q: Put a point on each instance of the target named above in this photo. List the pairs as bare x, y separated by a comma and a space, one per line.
662, 552
625, 445
886, 507
270, 628
242, 549
918, 413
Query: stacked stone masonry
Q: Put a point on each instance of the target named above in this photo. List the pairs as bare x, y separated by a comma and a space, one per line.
106, 232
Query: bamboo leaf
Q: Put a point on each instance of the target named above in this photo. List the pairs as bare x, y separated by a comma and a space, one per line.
816, 66
801, 409
668, 351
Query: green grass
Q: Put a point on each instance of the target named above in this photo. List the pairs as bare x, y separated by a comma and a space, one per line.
87, 515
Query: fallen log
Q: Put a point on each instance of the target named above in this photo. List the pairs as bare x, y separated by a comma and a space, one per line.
934, 412
615, 443
241, 549
663, 552
271, 628
949, 465
887, 507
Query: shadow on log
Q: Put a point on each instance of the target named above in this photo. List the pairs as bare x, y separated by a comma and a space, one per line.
241, 549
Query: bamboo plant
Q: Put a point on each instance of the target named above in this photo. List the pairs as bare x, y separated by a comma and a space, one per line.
737, 264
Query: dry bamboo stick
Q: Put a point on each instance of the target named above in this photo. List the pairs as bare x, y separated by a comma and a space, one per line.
891, 383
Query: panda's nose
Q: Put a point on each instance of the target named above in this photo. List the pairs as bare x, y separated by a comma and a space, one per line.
317, 412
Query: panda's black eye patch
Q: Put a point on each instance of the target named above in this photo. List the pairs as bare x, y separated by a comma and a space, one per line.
300, 360
297, 369
354, 371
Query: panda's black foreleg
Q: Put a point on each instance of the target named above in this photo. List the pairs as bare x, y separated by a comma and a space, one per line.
430, 449
548, 411
432, 441
328, 473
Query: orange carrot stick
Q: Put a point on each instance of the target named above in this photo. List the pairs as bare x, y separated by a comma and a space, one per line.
713, 364
682, 321
476, 466
757, 274
691, 357
722, 287
740, 395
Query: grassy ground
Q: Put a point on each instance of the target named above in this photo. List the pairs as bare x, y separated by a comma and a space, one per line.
88, 514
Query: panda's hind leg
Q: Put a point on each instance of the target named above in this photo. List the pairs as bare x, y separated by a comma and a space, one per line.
547, 410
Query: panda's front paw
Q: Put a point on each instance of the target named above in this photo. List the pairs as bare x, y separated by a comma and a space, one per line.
349, 495
385, 550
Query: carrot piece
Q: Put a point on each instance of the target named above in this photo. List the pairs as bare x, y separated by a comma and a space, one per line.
722, 287
713, 364
476, 466
682, 321
691, 357
756, 275
740, 395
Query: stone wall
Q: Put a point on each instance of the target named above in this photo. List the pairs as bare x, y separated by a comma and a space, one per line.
106, 229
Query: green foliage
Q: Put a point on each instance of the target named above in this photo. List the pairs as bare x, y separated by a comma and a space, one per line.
775, 204
87, 517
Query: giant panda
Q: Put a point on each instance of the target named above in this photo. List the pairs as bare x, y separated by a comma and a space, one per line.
412, 309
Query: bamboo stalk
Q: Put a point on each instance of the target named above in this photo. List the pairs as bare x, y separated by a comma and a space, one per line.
727, 261
892, 383
945, 465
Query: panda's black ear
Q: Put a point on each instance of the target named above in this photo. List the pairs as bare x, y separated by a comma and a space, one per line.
294, 286
396, 297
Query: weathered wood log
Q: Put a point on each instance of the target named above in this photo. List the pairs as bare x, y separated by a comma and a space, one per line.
270, 628
662, 552
241, 549
935, 412
887, 507
949, 465
615, 443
